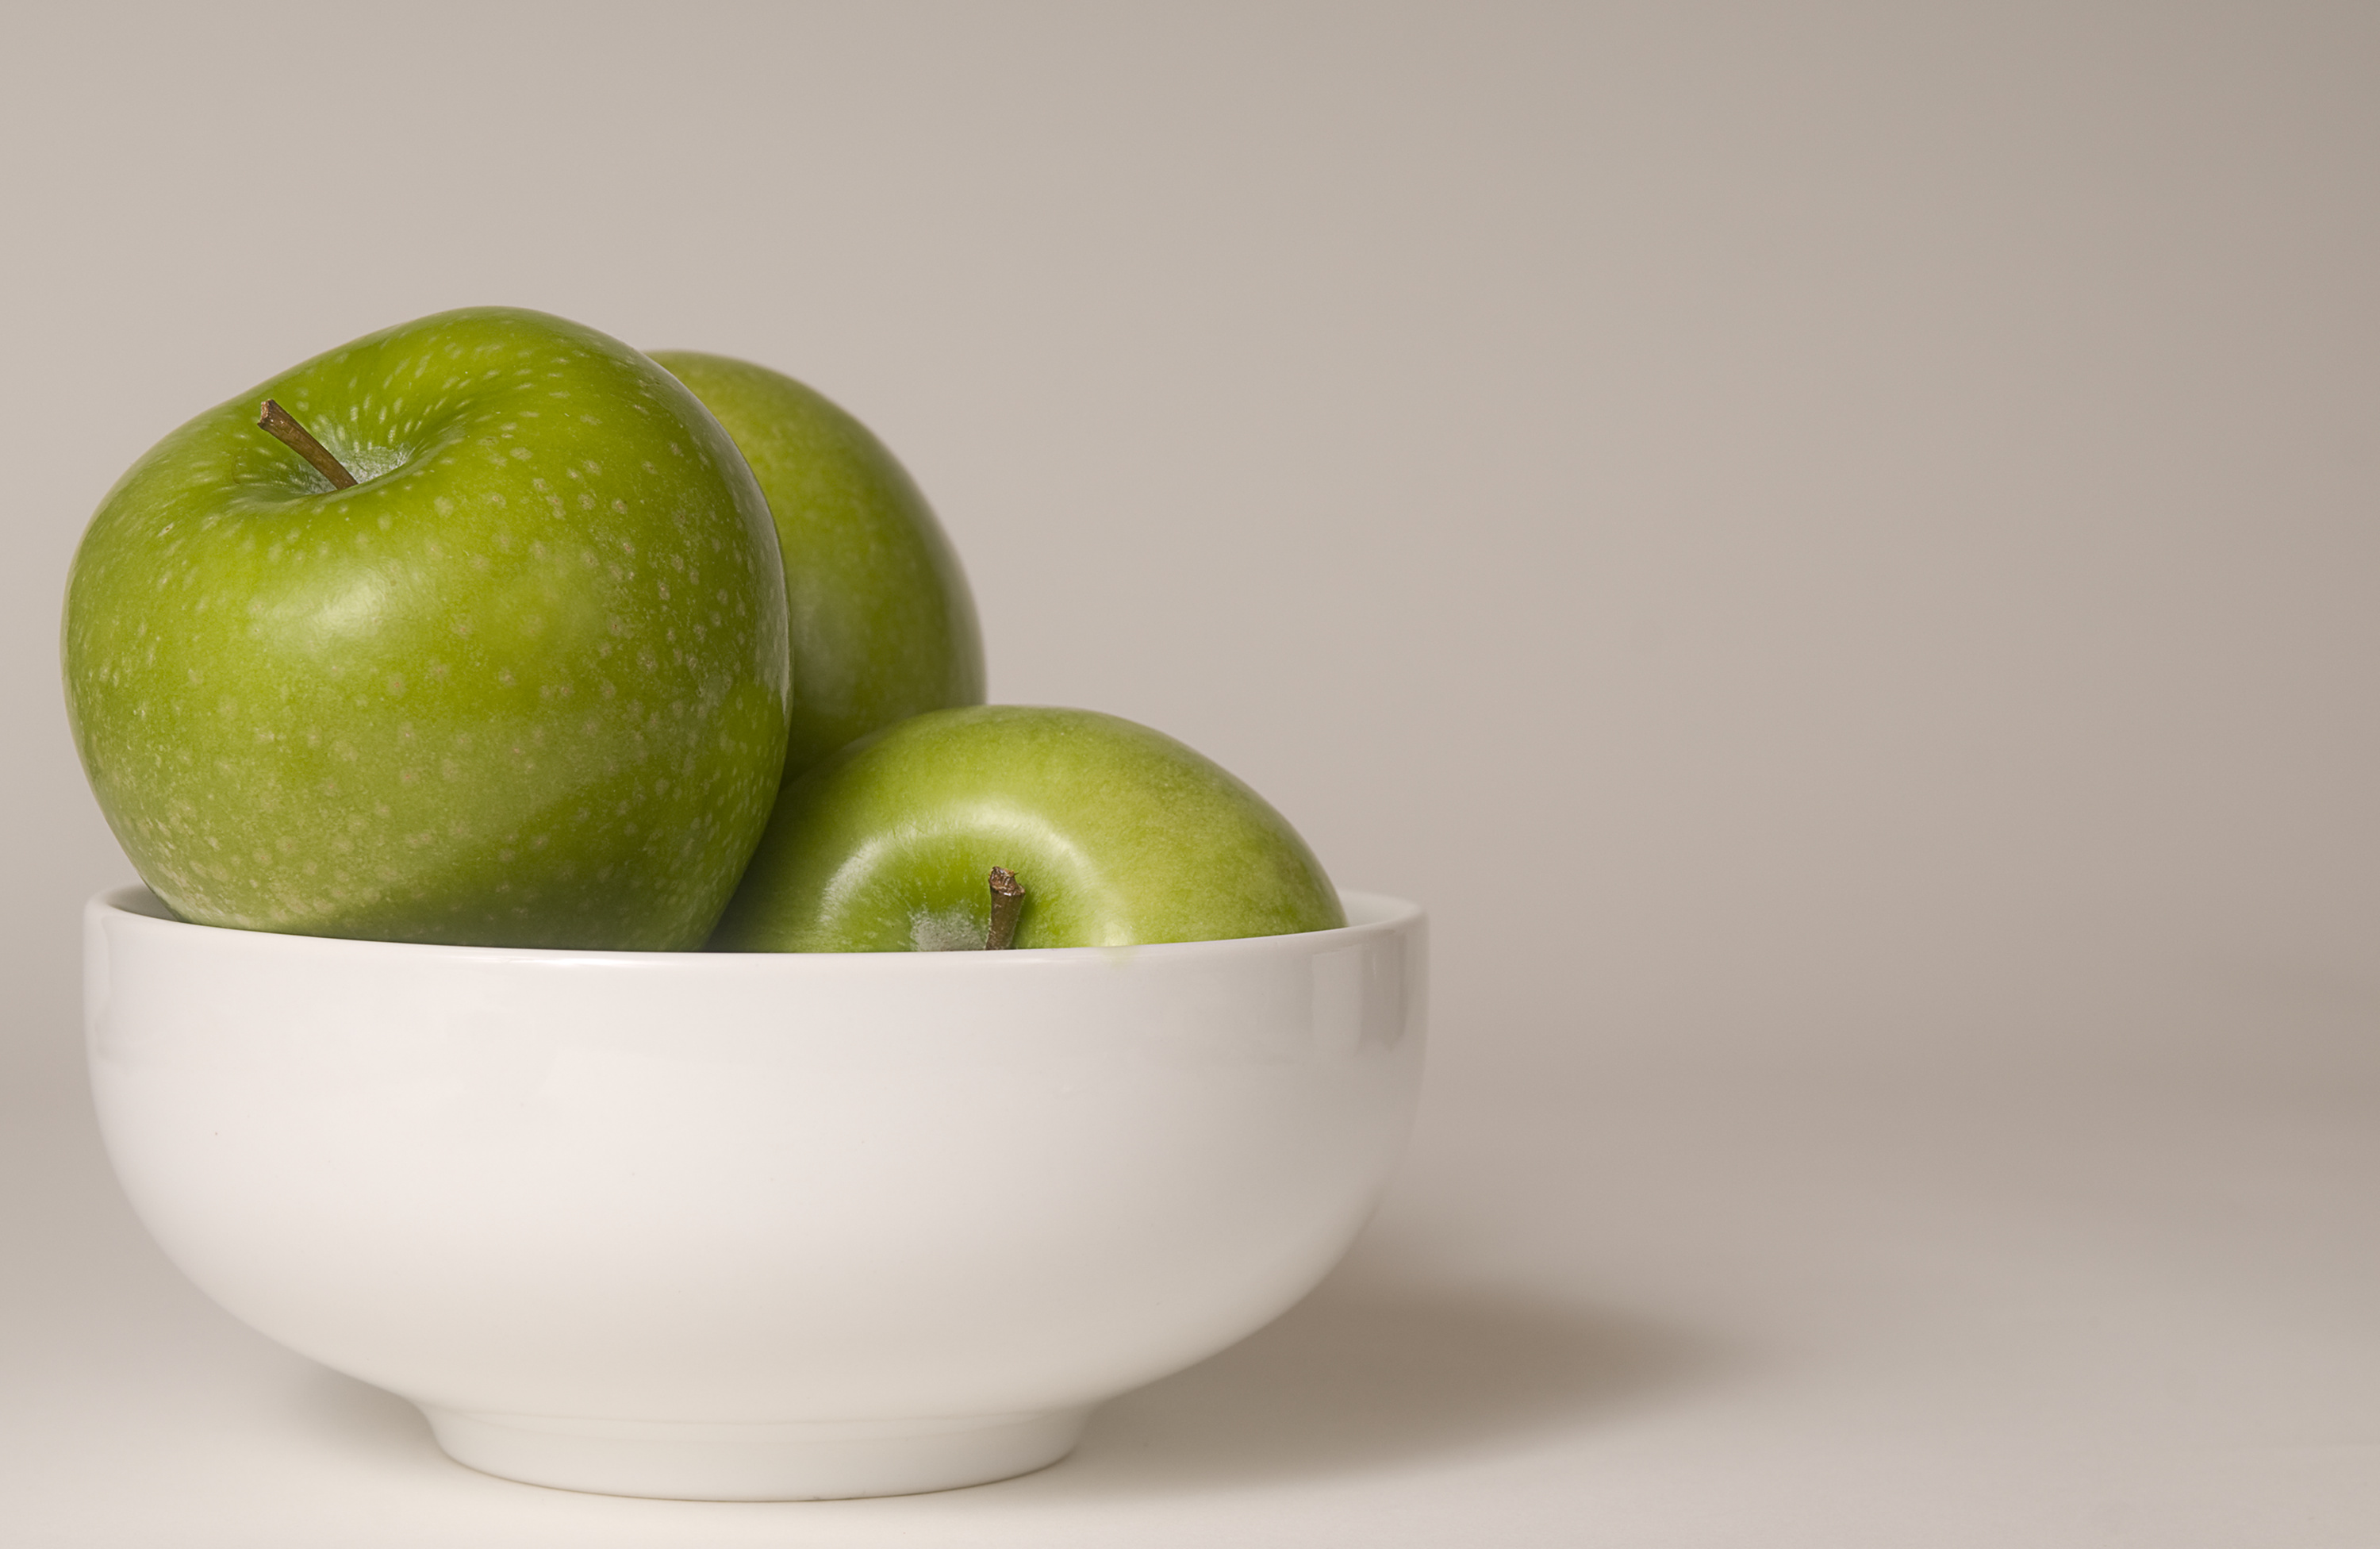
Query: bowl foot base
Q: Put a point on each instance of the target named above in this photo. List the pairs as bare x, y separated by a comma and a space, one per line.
792, 1461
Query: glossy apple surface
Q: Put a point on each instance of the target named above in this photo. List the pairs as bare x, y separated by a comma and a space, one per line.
524, 684
883, 624
1120, 836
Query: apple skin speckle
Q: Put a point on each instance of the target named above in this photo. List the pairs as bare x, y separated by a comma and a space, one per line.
221, 570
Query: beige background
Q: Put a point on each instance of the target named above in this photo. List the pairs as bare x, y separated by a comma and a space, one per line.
1833, 546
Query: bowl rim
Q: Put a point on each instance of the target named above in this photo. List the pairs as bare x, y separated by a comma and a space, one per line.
135, 907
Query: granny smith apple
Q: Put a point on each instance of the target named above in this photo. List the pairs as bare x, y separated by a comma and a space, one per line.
883, 626
524, 683
1115, 835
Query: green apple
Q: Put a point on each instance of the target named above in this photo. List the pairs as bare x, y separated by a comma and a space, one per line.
884, 627
1118, 835
524, 684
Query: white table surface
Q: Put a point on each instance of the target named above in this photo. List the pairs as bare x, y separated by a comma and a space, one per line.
1635, 1297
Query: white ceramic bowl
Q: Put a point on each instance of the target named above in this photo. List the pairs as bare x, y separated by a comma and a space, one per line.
753, 1227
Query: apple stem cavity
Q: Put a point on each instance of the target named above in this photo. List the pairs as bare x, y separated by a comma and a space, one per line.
299, 440
1007, 903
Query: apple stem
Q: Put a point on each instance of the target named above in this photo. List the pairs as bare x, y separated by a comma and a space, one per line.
278, 420
1007, 903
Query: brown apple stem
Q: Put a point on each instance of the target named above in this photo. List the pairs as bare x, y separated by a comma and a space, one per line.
1007, 903
277, 419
